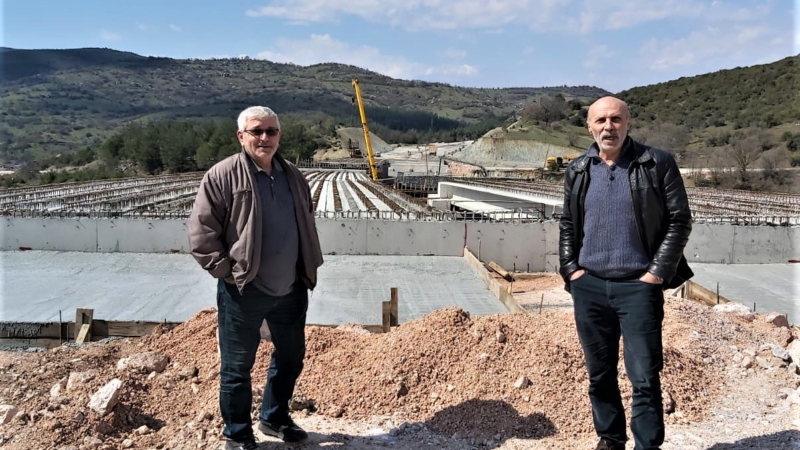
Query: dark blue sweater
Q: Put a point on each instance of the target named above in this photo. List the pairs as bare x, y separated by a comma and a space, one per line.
611, 245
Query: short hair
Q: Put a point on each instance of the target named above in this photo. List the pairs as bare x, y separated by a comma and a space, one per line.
255, 112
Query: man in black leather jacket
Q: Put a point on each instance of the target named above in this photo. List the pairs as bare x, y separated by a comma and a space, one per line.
624, 225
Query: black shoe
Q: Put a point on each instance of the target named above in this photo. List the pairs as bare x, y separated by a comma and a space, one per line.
244, 444
288, 431
609, 445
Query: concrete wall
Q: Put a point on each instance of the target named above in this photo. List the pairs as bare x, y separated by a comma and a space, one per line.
730, 244
520, 246
378, 237
532, 246
94, 235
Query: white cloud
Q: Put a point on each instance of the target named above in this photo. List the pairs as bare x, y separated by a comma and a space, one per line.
141, 26
494, 16
108, 35
796, 27
455, 53
463, 70
417, 15
323, 48
596, 54
703, 49
528, 50
174, 27
623, 14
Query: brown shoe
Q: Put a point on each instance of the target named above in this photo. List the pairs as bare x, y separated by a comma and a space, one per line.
609, 445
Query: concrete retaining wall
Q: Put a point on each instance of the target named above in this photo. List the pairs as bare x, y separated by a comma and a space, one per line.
730, 244
530, 246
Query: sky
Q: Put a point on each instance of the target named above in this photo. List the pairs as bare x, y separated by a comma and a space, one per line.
611, 44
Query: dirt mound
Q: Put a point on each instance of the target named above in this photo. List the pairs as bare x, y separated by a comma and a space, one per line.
497, 149
514, 374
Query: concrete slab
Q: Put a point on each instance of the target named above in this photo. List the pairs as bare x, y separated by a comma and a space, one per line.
35, 285
772, 287
351, 288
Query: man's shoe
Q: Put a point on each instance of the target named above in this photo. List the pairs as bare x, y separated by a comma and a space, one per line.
244, 444
288, 431
608, 445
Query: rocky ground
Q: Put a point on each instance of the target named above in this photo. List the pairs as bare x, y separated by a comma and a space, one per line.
446, 381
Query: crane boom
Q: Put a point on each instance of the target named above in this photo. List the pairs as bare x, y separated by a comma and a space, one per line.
373, 170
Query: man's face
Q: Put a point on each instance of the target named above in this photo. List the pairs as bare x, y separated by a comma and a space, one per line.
256, 138
609, 121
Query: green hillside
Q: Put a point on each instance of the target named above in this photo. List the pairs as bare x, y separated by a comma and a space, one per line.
57, 101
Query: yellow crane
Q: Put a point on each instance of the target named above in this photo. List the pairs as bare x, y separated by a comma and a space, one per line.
373, 170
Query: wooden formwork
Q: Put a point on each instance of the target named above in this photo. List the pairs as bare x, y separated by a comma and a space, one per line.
694, 291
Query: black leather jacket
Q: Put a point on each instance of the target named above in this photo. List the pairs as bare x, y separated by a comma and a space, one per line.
660, 206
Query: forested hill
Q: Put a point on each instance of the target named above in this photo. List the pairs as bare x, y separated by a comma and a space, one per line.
761, 96
64, 100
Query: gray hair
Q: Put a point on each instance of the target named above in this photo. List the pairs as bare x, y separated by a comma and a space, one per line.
255, 112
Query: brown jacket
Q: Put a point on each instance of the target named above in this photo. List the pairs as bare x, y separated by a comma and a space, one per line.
225, 225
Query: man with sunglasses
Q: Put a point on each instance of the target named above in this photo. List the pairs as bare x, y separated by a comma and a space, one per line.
252, 227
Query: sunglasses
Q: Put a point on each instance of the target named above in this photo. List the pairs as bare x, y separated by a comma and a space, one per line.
258, 132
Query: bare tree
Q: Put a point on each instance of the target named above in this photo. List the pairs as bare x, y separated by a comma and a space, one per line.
667, 136
745, 152
547, 109
716, 164
772, 163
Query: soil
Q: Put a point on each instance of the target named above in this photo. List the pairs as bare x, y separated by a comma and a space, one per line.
446, 381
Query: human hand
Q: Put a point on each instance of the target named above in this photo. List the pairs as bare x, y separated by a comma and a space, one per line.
577, 274
649, 278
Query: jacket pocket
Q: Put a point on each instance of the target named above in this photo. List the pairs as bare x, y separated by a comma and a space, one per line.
240, 208
241, 205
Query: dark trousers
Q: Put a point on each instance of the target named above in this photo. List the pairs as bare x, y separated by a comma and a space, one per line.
239, 320
604, 309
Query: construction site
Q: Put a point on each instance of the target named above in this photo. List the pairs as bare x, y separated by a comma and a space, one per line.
439, 320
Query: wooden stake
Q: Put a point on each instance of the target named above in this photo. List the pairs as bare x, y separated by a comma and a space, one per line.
394, 318
83, 316
83, 334
502, 272
386, 316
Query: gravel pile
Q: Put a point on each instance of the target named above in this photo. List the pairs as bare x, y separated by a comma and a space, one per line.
480, 379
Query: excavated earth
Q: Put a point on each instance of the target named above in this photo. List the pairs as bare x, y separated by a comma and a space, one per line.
446, 381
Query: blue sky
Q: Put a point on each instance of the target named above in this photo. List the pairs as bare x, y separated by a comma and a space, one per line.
612, 44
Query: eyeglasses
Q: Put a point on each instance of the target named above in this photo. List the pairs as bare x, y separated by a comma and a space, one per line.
258, 132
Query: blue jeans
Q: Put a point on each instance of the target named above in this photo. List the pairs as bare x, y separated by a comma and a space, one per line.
604, 309
239, 319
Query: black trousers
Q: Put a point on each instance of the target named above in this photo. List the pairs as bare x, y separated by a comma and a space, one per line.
239, 319
604, 310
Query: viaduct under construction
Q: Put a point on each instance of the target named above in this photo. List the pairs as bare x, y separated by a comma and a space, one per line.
120, 246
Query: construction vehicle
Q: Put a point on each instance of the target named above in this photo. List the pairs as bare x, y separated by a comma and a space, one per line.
354, 149
556, 163
372, 168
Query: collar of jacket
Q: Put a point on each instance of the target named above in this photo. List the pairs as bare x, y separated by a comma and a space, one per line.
640, 153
